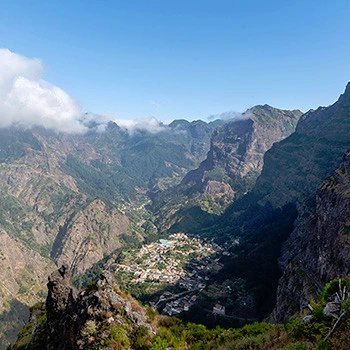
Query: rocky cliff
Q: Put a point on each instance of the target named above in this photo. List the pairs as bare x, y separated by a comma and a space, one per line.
293, 170
263, 219
100, 316
318, 249
238, 148
106, 227
233, 163
295, 167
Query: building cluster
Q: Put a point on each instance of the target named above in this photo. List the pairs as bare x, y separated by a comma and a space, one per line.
180, 260
179, 305
167, 261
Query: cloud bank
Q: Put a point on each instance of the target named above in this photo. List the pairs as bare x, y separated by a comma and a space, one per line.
149, 124
26, 99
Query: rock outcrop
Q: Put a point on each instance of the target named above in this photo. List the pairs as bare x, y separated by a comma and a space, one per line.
60, 309
97, 317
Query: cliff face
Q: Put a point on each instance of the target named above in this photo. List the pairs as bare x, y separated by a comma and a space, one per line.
22, 272
318, 249
263, 219
84, 238
233, 163
237, 148
295, 167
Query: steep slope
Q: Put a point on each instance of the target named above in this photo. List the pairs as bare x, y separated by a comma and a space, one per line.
296, 166
318, 249
23, 274
233, 163
39, 204
237, 148
106, 227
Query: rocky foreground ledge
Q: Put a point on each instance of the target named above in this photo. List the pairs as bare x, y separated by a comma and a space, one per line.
100, 315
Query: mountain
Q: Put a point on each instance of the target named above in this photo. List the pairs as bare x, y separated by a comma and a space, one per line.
264, 219
233, 164
75, 199
296, 166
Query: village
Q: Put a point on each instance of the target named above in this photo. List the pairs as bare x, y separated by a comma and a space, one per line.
181, 262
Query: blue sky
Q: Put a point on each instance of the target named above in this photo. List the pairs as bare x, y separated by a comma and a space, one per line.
185, 59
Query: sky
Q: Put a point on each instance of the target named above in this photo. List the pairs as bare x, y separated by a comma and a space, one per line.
167, 59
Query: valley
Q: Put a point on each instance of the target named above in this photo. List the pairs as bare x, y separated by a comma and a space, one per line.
200, 220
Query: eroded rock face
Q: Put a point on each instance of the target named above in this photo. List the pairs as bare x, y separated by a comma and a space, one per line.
238, 147
88, 235
319, 248
60, 308
73, 318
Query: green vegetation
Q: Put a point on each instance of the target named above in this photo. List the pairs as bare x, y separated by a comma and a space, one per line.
14, 144
142, 161
117, 339
261, 231
14, 219
27, 338
100, 180
92, 287
346, 230
294, 334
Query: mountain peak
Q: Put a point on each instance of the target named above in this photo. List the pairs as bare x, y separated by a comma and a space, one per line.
346, 94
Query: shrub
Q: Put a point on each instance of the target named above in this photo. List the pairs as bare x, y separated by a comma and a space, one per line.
118, 338
159, 344
92, 287
140, 338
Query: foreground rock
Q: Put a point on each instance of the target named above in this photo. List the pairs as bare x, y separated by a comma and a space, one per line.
100, 316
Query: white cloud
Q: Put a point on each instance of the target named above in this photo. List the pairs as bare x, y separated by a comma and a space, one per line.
230, 115
149, 124
27, 99
96, 122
